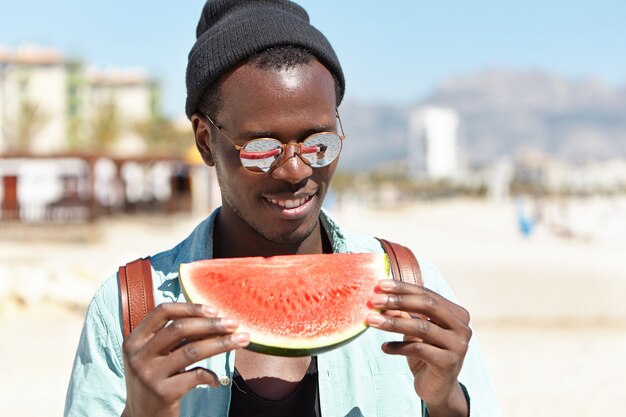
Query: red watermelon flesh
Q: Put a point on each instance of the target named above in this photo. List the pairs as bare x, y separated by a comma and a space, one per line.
291, 305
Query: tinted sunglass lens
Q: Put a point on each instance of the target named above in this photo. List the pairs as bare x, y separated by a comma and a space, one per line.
321, 149
260, 155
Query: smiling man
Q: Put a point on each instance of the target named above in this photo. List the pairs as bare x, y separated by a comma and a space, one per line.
264, 88
272, 202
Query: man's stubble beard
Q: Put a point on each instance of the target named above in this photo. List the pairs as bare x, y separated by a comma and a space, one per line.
293, 238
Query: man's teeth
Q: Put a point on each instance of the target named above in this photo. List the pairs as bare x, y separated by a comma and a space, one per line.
289, 204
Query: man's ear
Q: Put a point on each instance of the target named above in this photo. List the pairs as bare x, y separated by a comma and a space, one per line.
202, 134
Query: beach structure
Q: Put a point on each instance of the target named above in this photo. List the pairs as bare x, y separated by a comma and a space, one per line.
433, 143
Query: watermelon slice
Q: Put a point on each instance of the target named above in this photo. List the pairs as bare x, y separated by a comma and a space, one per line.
295, 305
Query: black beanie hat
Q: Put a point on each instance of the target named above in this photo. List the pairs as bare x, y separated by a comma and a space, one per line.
231, 31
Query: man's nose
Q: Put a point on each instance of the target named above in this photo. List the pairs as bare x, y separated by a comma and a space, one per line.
292, 168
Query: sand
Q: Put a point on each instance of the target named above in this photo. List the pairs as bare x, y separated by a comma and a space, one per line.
548, 311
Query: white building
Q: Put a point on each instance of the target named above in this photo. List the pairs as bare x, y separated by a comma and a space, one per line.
131, 93
49, 104
589, 178
433, 143
33, 100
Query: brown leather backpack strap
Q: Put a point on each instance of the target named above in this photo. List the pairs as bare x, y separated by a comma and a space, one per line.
405, 268
404, 265
136, 293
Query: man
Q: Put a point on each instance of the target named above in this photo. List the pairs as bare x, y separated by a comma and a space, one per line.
259, 70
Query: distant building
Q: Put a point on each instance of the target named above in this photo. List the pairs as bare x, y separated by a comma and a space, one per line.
499, 177
33, 100
131, 97
433, 143
590, 178
50, 104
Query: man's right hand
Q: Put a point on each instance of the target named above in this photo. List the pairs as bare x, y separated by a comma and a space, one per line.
172, 337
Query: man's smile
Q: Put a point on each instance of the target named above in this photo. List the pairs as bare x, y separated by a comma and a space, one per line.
290, 208
290, 203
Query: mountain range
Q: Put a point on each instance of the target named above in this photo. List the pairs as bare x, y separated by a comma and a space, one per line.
502, 113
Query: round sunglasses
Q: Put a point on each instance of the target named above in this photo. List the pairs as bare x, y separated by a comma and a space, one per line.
263, 155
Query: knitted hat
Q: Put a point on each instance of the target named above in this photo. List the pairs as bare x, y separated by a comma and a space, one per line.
231, 31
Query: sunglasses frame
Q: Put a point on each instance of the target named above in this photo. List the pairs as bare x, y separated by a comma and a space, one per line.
284, 146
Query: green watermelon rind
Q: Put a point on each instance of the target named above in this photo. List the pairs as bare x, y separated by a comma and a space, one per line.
283, 346
287, 351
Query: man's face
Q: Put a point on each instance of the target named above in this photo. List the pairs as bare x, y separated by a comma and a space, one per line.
289, 105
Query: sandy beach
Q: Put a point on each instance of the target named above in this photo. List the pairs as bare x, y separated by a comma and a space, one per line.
548, 310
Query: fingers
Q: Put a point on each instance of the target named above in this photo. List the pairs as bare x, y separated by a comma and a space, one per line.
161, 315
425, 330
447, 361
187, 380
171, 338
187, 330
190, 353
163, 393
188, 334
447, 326
435, 346
395, 295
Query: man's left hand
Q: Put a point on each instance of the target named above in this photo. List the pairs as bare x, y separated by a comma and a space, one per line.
436, 336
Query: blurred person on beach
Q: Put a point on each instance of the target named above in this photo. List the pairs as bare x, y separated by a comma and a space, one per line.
259, 70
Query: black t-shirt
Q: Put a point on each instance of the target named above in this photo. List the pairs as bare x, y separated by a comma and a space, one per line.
302, 402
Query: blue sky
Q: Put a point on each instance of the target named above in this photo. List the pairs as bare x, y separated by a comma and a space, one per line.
392, 52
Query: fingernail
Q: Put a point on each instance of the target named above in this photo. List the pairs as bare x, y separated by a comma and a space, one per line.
241, 338
209, 311
386, 284
379, 299
375, 319
230, 324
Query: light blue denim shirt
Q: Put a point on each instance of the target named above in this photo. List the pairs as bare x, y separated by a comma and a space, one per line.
355, 380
